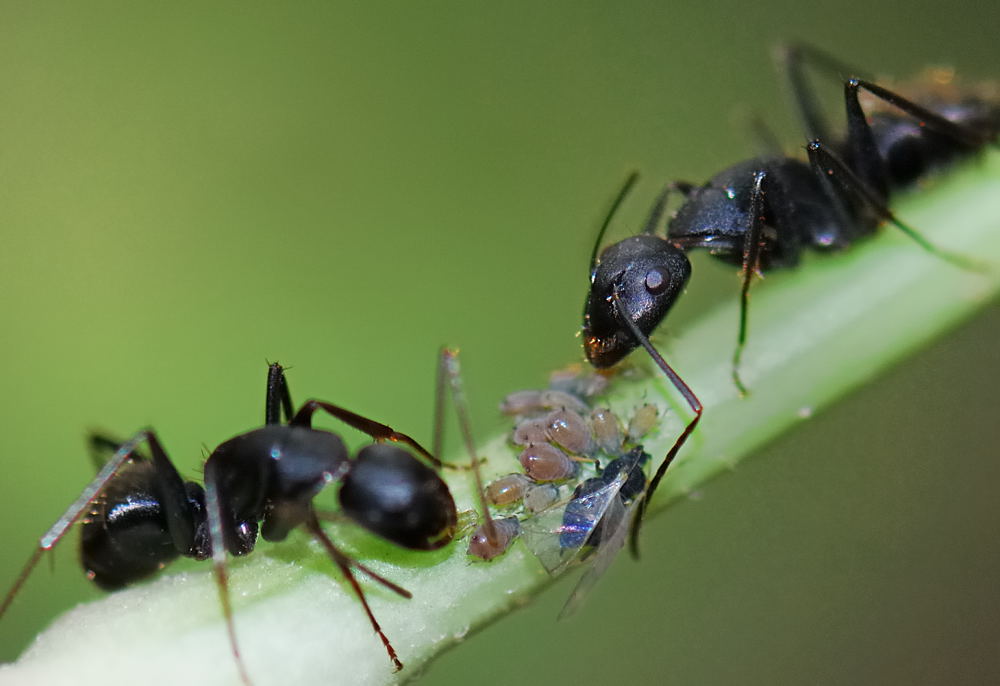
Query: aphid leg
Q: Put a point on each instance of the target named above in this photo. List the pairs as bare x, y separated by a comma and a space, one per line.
619, 199
689, 397
344, 563
449, 370
214, 515
753, 241
74, 511
377, 430
827, 165
278, 397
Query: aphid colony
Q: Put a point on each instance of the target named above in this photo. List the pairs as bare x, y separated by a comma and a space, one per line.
583, 472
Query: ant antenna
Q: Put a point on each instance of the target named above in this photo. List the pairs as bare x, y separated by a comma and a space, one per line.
689, 397
622, 194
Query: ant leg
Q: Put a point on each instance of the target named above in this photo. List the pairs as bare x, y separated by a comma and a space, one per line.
752, 244
863, 156
213, 514
791, 59
619, 199
175, 505
689, 397
660, 205
345, 563
377, 430
967, 135
766, 141
450, 369
102, 447
278, 397
827, 165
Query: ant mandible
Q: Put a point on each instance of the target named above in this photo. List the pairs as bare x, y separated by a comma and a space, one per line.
762, 213
141, 515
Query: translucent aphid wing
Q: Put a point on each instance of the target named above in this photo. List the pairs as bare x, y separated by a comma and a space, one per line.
557, 535
611, 544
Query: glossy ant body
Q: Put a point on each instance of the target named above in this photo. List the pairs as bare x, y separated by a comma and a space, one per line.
140, 515
762, 213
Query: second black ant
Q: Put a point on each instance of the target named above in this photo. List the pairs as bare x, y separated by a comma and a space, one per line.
139, 514
762, 213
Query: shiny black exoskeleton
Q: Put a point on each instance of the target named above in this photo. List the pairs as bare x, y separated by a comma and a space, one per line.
139, 514
763, 213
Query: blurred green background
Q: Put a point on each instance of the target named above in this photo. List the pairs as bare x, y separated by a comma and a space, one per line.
191, 190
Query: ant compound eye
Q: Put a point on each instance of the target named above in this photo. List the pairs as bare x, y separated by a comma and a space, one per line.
656, 281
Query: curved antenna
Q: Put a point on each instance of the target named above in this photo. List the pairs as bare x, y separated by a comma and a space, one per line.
689, 397
625, 189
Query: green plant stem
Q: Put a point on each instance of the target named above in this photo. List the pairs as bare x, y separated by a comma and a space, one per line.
815, 333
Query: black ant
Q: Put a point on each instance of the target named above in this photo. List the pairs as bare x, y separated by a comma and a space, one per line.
762, 213
139, 514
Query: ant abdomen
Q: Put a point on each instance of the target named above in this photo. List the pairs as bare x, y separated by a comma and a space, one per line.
392, 494
125, 536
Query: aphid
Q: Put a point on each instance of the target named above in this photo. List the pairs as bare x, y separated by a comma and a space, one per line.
563, 427
593, 524
577, 382
642, 422
532, 402
540, 497
139, 514
544, 508
481, 546
762, 213
568, 429
607, 430
545, 462
508, 490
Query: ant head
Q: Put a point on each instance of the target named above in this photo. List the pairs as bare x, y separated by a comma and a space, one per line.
647, 274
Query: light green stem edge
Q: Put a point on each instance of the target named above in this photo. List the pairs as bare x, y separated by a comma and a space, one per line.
815, 333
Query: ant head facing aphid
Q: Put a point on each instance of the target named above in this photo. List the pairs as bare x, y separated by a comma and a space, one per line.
639, 277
